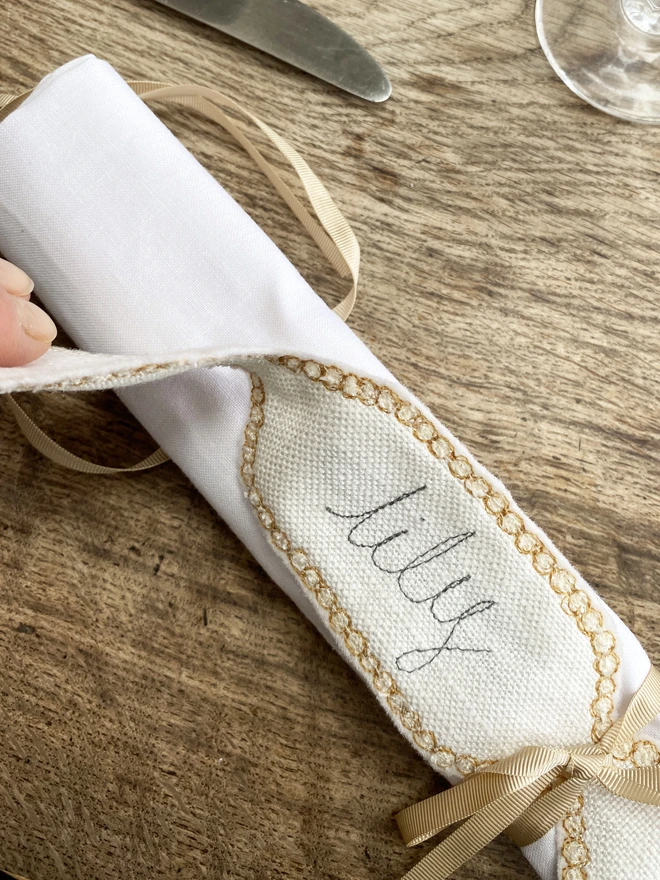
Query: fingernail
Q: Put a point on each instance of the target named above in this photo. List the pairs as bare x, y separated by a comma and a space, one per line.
15, 280
35, 322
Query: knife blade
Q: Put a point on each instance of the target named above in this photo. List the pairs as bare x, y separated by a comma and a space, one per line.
295, 33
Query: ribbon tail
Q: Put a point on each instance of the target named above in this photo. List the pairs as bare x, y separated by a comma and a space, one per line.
543, 815
427, 818
641, 785
477, 832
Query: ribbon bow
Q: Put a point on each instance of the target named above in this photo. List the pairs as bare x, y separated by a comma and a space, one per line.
528, 793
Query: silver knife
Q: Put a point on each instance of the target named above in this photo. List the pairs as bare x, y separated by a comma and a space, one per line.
297, 34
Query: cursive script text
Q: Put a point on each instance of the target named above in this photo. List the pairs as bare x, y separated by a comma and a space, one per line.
390, 549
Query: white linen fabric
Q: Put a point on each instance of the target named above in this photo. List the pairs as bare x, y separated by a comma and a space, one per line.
138, 252
453, 612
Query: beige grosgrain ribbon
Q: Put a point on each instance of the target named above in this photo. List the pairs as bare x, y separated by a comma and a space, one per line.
527, 793
333, 235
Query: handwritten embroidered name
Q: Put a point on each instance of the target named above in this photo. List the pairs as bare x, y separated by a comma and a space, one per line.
391, 553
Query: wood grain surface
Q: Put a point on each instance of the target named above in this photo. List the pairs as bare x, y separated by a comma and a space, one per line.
164, 710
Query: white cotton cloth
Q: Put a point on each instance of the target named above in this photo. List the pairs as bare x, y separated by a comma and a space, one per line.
137, 251
183, 266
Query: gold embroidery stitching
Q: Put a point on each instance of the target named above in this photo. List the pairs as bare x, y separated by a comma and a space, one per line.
641, 753
118, 376
338, 618
575, 851
574, 603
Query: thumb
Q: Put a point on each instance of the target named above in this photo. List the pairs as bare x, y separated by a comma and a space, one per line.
26, 331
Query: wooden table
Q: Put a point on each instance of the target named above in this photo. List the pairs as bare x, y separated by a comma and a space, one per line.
165, 710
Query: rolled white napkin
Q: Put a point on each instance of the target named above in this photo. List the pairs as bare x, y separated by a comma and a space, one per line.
174, 262
137, 251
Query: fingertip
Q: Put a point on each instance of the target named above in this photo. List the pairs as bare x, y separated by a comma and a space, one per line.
26, 331
15, 280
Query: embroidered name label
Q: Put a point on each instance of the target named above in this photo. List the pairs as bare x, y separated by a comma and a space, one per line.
413, 573
373, 531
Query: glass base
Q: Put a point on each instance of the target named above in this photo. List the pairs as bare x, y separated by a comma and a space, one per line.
607, 52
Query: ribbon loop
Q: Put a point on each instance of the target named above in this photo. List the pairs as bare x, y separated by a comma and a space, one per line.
330, 231
527, 793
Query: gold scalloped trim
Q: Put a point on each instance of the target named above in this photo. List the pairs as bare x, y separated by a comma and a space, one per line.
575, 851
339, 619
574, 602
118, 376
641, 753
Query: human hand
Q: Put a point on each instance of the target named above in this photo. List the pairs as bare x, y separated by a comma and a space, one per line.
26, 331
